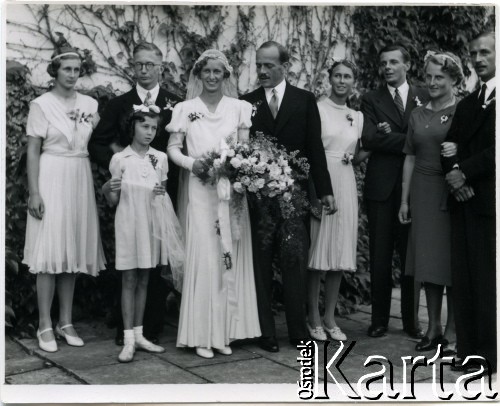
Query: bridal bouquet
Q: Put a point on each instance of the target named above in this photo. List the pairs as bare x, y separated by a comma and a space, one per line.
261, 169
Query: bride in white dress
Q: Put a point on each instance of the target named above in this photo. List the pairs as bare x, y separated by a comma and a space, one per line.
218, 305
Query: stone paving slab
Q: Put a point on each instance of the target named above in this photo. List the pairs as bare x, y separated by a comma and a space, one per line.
187, 358
148, 371
261, 370
18, 361
45, 376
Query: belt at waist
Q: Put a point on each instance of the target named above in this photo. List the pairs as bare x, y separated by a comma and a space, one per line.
336, 154
68, 154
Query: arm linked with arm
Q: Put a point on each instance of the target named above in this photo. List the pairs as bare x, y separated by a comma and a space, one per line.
375, 140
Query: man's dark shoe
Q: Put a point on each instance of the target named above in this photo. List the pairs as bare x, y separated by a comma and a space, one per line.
269, 344
415, 332
377, 331
427, 344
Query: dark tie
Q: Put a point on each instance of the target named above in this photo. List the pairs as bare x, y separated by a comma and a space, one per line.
147, 100
273, 104
399, 102
482, 95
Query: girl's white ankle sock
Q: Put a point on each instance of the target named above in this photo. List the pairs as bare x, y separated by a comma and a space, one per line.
138, 333
128, 336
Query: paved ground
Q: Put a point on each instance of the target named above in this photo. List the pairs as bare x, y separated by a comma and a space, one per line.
96, 363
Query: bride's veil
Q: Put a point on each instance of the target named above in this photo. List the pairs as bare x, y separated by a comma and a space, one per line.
195, 86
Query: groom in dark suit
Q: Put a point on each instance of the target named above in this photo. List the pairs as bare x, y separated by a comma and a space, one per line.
291, 116
386, 111
471, 178
110, 137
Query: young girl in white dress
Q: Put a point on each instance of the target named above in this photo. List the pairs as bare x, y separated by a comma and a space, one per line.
334, 238
147, 232
218, 304
62, 231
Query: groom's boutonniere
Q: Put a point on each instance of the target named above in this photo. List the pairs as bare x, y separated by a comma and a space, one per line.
417, 101
255, 106
169, 104
195, 116
445, 118
488, 102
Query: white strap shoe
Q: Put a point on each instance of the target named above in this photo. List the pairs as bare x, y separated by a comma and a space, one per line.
335, 333
317, 333
47, 346
75, 341
148, 346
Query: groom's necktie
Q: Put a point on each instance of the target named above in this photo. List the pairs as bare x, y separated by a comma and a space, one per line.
399, 102
482, 95
147, 100
273, 103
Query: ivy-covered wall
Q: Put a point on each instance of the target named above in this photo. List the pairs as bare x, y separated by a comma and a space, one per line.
106, 34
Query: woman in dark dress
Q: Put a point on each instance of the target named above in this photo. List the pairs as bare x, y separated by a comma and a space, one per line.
424, 188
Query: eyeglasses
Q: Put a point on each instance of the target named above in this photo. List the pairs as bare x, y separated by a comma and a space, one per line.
148, 65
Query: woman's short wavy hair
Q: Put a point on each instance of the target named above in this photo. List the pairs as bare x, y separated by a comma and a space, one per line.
197, 68
449, 62
55, 62
132, 119
347, 64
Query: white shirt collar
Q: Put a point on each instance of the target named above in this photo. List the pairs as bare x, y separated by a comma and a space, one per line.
280, 90
490, 86
143, 92
128, 151
403, 91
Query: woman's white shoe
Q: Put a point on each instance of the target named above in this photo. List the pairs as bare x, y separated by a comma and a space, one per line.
204, 352
47, 346
71, 340
317, 333
224, 351
335, 333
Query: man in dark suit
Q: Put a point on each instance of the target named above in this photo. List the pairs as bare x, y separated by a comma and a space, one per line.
291, 116
471, 178
110, 137
386, 111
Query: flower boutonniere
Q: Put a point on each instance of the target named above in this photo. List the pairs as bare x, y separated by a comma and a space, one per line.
195, 116
349, 118
74, 114
154, 160
488, 102
417, 101
169, 104
347, 159
86, 118
255, 106
445, 118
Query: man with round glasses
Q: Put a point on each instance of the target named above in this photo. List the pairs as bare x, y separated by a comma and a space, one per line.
109, 138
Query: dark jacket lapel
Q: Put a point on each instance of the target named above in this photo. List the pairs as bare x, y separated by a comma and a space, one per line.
477, 113
263, 110
287, 108
388, 107
410, 105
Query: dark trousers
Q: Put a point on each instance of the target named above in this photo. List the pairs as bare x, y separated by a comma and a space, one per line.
156, 302
290, 240
473, 267
386, 234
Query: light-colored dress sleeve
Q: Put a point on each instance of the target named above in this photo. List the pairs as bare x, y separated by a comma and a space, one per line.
178, 129
361, 121
409, 149
245, 120
37, 124
115, 166
164, 167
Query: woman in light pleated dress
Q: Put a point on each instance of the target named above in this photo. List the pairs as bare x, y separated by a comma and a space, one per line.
334, 238
62, 233
218, 305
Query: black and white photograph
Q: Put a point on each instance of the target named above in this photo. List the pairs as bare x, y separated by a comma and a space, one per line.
237, 202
